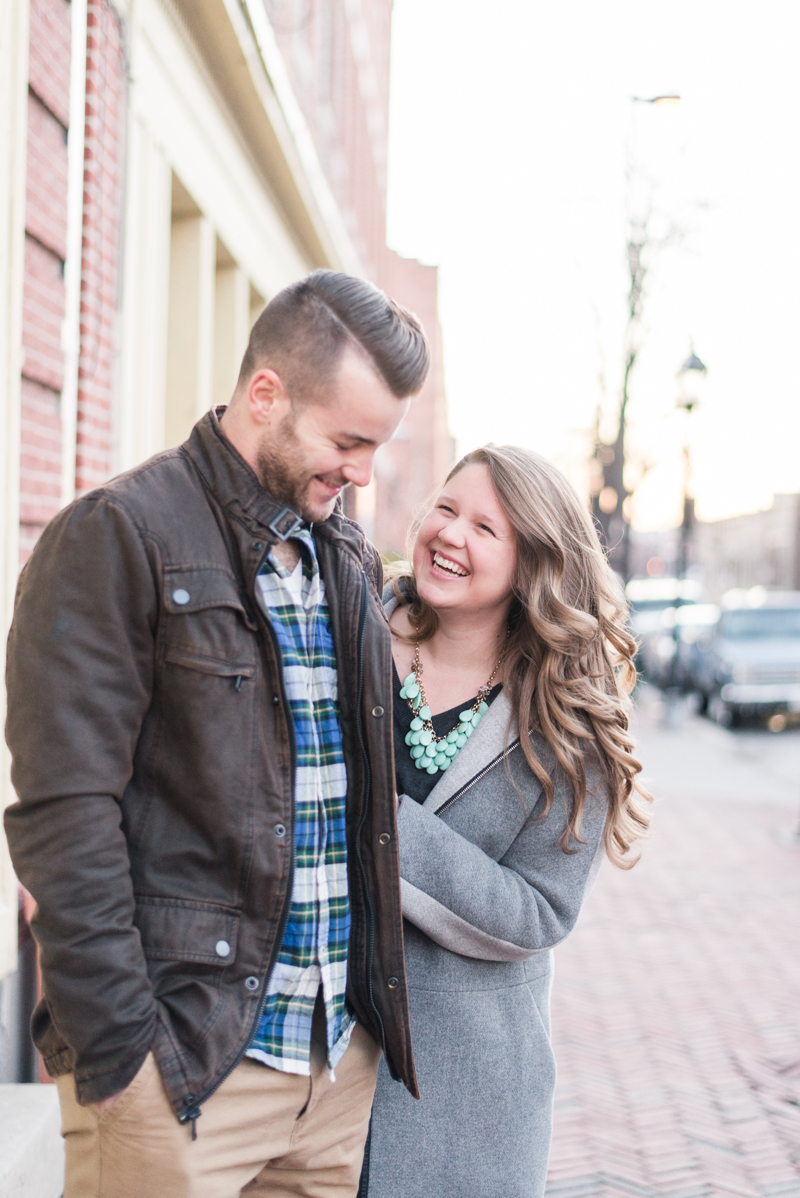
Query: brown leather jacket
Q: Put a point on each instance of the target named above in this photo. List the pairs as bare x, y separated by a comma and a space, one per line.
153, 758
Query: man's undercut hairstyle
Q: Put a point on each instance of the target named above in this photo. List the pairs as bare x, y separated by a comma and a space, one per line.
304, 331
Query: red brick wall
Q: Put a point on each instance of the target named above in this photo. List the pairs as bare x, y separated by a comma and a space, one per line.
45, 248
347, 112
316, 43
412, 466
102, 220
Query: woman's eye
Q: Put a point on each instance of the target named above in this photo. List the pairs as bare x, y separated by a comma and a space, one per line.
444, 508
486, 528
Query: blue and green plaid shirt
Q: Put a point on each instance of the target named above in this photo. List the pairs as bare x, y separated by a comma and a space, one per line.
314, 949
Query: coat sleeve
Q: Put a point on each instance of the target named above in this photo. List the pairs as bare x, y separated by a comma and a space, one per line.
80, 678
499, 910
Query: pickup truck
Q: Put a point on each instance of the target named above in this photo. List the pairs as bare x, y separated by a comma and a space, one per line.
748, 665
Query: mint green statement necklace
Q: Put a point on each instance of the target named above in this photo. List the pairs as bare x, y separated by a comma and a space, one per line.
428, 751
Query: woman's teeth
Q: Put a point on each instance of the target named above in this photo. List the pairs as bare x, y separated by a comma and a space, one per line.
450, 567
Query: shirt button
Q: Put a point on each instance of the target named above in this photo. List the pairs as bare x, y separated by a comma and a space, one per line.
251, 983
181, 596
384, 838
392, 983
377, 712
280, 830
222, 948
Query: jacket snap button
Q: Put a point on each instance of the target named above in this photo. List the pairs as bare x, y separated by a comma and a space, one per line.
181, 596
280, 830
276, 700
222, 948
392, 983
384, 838
257, 545
377, 712
251, 983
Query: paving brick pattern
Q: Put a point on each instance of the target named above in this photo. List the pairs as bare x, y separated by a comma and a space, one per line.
676, 1010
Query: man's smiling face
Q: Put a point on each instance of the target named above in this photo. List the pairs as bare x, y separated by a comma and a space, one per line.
315, 447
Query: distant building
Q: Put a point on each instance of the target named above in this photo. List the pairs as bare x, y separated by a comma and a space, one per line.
755, 549
165, 168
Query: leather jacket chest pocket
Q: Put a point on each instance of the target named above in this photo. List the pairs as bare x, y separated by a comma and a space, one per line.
206, 626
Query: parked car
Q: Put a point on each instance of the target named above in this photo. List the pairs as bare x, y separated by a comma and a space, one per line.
650, 599
670, 656
749, 664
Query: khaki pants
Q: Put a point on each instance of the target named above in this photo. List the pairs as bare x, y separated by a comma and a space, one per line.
262, 1133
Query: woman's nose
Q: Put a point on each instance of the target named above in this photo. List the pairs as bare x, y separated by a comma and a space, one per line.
453, 533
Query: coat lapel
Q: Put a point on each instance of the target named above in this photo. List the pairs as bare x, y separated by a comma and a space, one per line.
496, 730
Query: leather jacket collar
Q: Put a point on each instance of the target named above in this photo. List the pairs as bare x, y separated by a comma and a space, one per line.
237, 489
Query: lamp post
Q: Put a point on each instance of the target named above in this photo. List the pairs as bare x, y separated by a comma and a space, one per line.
691, 378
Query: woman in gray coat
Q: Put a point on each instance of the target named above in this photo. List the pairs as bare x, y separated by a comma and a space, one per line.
508, 800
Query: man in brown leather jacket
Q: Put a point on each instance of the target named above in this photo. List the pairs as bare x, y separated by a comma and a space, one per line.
187, 748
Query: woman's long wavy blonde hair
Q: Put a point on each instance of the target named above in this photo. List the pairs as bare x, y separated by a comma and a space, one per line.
569, 659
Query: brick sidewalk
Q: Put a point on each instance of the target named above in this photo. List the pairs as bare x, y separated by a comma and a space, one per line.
676, 1014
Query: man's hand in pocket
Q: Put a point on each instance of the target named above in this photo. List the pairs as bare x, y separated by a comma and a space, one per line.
105, 1104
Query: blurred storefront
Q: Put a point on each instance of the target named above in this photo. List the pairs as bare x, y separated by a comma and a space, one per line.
167, 166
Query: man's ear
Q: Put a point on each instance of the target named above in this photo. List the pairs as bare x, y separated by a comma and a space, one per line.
267, 397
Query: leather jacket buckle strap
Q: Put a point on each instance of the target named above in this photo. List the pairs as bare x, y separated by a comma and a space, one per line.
286, 524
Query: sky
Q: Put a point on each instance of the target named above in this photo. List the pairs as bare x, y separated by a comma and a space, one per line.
516, 158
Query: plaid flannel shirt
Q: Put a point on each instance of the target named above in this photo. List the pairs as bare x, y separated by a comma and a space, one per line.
313, 953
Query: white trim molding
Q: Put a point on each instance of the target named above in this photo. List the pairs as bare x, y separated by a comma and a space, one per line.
71, 326
14, 23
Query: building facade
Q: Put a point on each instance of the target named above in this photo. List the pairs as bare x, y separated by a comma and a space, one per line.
167, 167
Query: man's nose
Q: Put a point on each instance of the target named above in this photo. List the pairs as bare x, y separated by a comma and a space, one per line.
358, 471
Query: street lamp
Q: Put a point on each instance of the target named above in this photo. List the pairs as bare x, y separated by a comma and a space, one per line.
691, 380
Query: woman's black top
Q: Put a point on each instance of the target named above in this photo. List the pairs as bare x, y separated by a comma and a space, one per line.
418, 784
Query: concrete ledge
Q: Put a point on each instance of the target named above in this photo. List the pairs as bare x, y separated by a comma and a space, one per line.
31, 1148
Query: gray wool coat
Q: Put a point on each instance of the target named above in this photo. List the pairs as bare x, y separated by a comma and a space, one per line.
487, 893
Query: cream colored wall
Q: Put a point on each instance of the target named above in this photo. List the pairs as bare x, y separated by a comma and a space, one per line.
176, 355
13, 129
232, 325
190, 325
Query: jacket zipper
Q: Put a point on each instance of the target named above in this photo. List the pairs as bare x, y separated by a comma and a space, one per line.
362, 618
474, 781
192, 1110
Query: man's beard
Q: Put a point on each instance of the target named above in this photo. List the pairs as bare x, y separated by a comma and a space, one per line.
282, 473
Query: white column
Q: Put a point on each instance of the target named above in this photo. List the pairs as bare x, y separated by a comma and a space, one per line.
143, 350
231, 329
190, 326
71, 327
13, 140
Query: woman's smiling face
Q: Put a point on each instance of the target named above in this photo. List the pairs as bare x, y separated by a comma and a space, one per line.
465, 551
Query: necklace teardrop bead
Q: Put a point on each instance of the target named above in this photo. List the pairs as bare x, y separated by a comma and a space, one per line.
428, 751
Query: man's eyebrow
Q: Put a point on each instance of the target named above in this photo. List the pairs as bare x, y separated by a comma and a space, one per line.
359, 440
